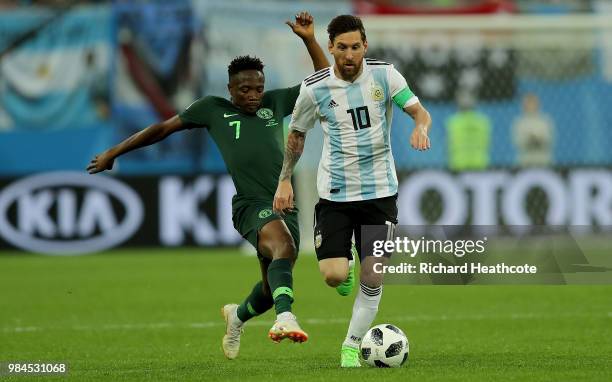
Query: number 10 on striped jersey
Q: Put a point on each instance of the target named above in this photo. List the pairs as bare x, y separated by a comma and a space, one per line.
360, 117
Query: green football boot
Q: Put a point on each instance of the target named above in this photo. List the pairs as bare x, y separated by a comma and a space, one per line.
349, 357
346, 287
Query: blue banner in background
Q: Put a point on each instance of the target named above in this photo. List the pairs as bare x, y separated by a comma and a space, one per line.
59, 78
55, 87
27, 152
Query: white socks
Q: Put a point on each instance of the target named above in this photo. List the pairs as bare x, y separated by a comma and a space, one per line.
364, 312
285, 316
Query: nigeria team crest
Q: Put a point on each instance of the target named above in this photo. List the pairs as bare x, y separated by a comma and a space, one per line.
265, 113
265, 213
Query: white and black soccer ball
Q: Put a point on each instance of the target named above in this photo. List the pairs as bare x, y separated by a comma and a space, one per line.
385, 345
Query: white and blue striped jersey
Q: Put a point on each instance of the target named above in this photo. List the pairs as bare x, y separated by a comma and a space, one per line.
357, 162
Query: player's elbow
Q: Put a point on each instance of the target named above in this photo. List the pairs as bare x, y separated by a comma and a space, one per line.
296, 135
154, 133
169, 126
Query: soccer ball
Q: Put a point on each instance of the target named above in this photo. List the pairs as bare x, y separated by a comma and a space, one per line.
385, 345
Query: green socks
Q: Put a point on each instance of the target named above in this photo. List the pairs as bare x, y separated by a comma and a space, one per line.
254, 305
280, 279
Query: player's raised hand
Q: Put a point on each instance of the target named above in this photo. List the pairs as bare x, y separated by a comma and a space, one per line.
303, 25
419, 139
283, 199
100, 163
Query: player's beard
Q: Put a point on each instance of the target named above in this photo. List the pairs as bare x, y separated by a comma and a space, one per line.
349, 73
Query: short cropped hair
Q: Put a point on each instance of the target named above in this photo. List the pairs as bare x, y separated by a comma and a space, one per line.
345, 23
242, 63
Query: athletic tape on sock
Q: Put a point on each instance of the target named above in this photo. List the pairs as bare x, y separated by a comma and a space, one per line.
251, 309
282, 290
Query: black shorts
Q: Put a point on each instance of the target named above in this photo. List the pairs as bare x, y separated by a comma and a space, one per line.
336, 222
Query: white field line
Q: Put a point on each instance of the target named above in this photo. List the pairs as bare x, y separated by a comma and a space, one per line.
308, 321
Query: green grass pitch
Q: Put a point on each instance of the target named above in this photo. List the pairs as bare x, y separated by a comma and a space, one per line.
154, 315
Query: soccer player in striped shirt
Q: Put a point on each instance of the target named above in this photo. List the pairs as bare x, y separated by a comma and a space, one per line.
356, 180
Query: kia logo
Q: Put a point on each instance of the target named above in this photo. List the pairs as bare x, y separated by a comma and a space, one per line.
68, 213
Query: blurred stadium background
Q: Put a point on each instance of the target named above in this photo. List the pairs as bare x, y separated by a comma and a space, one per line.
520, 94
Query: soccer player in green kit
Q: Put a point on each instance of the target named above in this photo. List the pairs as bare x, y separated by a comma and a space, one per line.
249, 133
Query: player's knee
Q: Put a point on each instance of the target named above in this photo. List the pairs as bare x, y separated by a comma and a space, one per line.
279, 247
333, 277
276, 242
284, 249
332, 280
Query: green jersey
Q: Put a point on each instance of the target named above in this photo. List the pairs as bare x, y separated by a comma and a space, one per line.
251, 145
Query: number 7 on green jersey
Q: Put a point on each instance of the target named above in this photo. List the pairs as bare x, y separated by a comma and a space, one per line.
237, 125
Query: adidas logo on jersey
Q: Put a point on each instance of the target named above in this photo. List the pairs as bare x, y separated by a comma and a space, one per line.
332, 104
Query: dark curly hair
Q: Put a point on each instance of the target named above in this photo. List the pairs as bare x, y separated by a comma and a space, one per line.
241, 63
345, 23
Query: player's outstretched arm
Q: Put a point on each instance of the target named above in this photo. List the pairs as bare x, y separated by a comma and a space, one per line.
283, 199
148, 136
304, 28
419, 139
